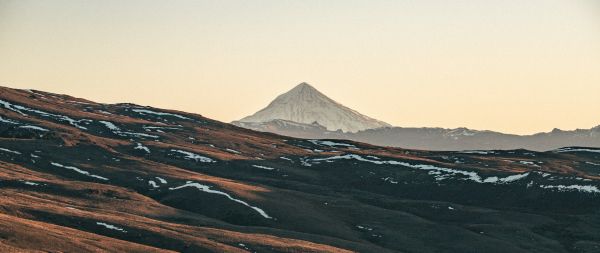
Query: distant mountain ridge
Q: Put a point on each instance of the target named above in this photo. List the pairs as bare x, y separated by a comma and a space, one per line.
380, 133
305, 104
438, 138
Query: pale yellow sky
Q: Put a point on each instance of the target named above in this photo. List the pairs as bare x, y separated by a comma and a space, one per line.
511, 66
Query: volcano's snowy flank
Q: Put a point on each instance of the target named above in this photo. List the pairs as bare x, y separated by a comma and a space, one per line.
305, 104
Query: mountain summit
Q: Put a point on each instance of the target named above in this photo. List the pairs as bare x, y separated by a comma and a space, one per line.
305, 104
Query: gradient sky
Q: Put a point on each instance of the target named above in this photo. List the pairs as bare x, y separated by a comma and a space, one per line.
512, 66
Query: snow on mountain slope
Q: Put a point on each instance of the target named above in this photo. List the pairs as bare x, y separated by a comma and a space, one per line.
305, 104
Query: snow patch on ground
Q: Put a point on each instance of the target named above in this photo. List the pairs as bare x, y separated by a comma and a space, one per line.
581, 188
305, 162
142, 147
110, 125
109, 226
6, 120
206, 188
285, 158
530, 163
116, 130
330, 143
479, 152
233, 151
569, 150
390, 180
470, 175
439, 173
196, 157
78, 171
19, 109
144, 111
79, 102
161, 180
35, 128
139, 135
263, 167
507, 179
153, 184
160, 127
364, 228
10, 151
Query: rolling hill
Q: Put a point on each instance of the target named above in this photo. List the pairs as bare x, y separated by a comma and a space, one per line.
81, 176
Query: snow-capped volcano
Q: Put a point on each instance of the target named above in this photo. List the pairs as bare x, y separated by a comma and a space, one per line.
305, 104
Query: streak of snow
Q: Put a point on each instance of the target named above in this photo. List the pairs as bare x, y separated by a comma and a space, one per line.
233, 151
10, 151
364, 228
437, 171
19, 109
471, 175
390, 180
206, 188
161, 180
526, 162
507, 179
330, 143
35, 128
263, 167
153, 184
144, 111
139, 135
196, 157
285, 158
109, 226
513, 178
160, 127
78, 171
116, 130
9, 121
581, 188
110, 125
142, 147
305, 162
479, 152
568, 150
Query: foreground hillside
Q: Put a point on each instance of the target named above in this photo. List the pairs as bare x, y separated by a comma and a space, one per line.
80, 176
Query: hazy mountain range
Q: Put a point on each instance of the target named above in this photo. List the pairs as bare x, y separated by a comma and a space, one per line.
81, 176
305, 112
